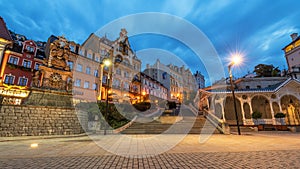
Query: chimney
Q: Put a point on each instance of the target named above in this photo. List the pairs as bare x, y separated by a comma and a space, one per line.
294, 36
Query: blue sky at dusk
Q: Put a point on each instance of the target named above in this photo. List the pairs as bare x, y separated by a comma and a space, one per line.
257, 28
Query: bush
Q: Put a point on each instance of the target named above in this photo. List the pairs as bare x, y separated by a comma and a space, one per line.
142, 106
256, 115
172, 105
279, 115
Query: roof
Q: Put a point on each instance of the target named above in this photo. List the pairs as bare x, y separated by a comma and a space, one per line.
273, 88
292, 42
4, 33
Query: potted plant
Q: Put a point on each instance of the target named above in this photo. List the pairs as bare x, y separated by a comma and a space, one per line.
280, 118
257, 115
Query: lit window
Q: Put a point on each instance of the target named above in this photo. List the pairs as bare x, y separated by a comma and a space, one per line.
13, 60
79, 68
78, 82
27, 63
22, 81
88, 70
9, 79
86, 84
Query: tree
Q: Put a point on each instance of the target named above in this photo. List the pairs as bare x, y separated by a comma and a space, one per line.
263, 70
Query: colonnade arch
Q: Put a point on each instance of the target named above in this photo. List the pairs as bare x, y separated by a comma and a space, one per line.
230, 112
291, 107
261, 104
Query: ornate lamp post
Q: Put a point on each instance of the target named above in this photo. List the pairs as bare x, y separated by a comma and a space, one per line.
235, 60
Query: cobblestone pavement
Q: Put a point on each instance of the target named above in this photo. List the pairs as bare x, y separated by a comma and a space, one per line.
260, 150
264, 159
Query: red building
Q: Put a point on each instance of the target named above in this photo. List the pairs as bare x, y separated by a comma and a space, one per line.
21, 61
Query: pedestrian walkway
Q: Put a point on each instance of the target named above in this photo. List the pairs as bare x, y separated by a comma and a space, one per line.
262, 149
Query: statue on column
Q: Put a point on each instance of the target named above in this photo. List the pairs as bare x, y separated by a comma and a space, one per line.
59, 54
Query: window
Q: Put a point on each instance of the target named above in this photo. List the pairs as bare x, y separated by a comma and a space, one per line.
126, 86
79, 68
96, 73
78, 82
72, 48
126, 74
36, 66
89, 56
116, 82
97, 58
88, 70
9, 79
247, 87
258, 86
70, 64
27, 63
95, 86
104, 79
86, 84
22, 81
118, 71
29, 48
81, 52
13, 60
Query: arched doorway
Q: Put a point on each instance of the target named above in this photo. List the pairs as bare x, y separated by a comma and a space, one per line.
230, 113
290, 107
218, 111
261, 104
247, 111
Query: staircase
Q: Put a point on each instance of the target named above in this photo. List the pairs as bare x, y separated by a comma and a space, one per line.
189, 124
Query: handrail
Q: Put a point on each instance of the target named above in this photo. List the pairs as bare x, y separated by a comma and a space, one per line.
220, 124
193, 109
120, 129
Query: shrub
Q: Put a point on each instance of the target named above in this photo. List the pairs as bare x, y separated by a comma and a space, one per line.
142, 106
171, 104
279, 115
256, 115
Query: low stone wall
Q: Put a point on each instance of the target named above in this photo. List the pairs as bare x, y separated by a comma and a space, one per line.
26, 120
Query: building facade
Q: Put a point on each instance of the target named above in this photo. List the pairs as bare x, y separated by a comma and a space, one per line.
21, 62
292, 56
199, 80
125, 67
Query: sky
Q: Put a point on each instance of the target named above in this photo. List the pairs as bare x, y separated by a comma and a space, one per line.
258, 29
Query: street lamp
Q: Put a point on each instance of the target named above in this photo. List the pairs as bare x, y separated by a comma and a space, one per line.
107, 62
236, 59
110, 63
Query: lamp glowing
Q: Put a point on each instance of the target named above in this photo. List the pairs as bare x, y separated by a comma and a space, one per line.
107, 62
236, 59
34, 145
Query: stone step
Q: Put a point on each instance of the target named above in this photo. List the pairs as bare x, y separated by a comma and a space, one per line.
181, 127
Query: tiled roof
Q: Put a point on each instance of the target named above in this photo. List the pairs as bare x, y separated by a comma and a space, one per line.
272, 88
4, 33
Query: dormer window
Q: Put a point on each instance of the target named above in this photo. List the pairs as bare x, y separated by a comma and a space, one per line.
29, 49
